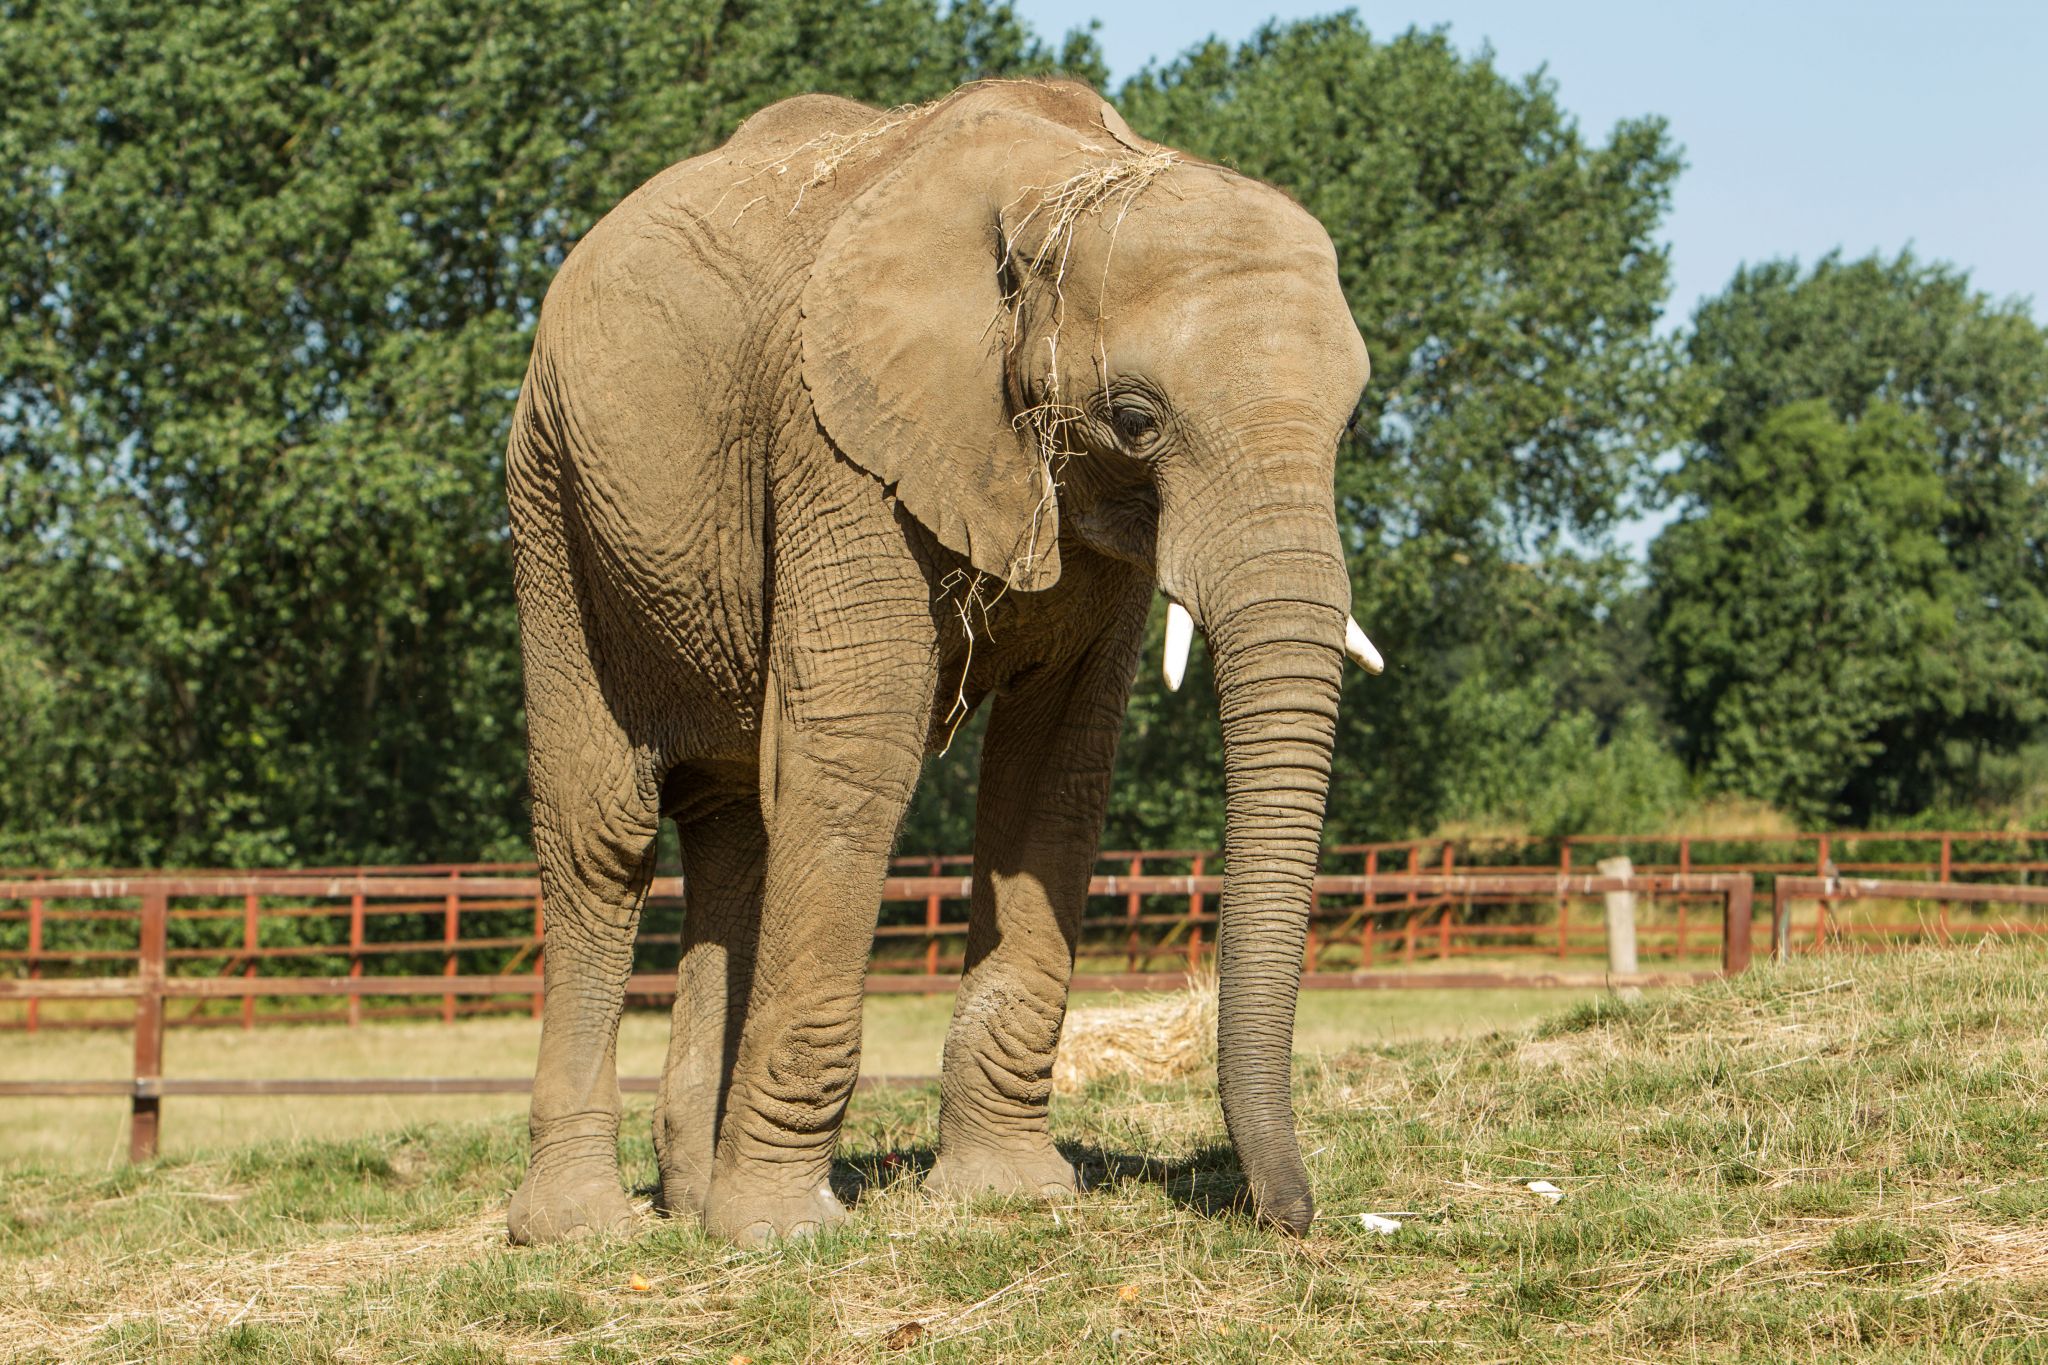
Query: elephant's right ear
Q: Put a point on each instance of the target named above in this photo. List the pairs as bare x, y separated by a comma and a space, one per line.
906, 331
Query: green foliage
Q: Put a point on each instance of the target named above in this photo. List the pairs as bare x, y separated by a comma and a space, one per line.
1549, 773
1853, 336
1807, 610
1506, 276
270, 276
270, 273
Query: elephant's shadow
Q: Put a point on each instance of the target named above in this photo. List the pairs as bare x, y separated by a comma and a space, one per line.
1208, 1182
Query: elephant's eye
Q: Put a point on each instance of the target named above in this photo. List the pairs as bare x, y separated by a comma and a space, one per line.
1136, 425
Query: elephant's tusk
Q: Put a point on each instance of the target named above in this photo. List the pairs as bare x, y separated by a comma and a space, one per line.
1355, 644
1180, 633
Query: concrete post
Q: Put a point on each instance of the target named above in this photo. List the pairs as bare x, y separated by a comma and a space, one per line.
1621, 919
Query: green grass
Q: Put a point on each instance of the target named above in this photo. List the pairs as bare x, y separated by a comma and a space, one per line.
902, 1036
1844, 1160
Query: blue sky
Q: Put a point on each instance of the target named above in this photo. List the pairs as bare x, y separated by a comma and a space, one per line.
1806, 124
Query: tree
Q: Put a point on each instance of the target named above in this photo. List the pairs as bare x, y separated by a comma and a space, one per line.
1853, 334
1807, 607
270, 272
1505, 274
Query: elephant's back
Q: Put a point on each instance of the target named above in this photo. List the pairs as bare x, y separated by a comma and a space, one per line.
665, 371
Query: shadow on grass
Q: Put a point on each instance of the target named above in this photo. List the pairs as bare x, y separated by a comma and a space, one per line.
1209, 1182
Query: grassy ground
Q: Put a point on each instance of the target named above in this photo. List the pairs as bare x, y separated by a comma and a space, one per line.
1843, 1160
903, 1035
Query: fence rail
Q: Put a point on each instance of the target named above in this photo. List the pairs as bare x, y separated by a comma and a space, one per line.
1829, 931
152, 985
457, 918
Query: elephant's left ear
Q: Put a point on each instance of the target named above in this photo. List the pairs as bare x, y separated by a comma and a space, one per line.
905, 329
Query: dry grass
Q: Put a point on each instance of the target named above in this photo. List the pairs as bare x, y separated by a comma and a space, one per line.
813, 162
1845, 1160
1731, 817
901, 1035
1164, 1038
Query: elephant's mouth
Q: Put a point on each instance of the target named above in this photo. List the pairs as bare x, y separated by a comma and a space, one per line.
1180, 635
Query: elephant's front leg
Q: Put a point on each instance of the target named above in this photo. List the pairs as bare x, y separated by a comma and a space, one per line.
1045, 773
833, 793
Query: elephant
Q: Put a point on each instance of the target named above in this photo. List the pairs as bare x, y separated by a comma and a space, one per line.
828, 437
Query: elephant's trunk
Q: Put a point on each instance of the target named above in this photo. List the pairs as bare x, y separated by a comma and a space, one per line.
1276, 626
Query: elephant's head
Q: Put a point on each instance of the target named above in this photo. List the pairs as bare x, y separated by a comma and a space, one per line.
1038, 320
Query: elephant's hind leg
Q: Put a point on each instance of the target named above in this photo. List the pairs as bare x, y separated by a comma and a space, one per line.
594, 821
723, 855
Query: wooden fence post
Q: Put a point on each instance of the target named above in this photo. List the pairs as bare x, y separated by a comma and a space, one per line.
451, 930
1131, 910
1735, 927
1823, 867
1195, 917
1443, 930
1947, 865
1365, 910
249, 943
143, 1110
931, 923
355, 955
1564, 903
35, 955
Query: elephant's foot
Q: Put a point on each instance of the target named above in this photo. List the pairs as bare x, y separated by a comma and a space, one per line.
557, 1208
754, 1213
1036, 1171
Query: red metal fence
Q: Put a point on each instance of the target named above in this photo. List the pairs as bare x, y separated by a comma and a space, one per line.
1834, 931
1149, 909
152, 985
367, 929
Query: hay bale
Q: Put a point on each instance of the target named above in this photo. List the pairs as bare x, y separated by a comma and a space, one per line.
1155, 1039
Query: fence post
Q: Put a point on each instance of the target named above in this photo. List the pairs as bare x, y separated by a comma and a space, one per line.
540, 944
1195, 917
1621, 919
1947, 864
35, 954
1443, 930
1564, 904
1131, 914
1735, 927
451, 929
931, 923
1781, 921
249, 938
355, 956
1823, 867
1365, 909
143, 1110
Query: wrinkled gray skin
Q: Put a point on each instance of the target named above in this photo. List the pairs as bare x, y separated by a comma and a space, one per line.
768, 453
